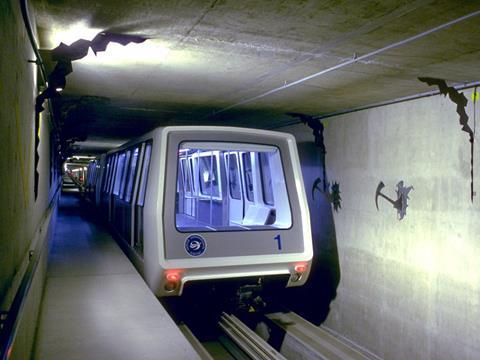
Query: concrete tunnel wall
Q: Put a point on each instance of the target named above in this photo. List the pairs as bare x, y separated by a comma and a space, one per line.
24, 224
408, 289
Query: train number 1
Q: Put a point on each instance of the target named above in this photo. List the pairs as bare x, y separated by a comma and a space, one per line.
279, 241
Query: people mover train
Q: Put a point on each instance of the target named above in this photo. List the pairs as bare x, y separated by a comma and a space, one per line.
206, 203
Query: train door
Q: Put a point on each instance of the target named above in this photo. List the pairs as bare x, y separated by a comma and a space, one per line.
187, 199
122, 206
105, 198
210, 205
234, 188
100, 180
122, 163
248, 180
139, 198
103, 185
192, 167
127, 195
111, 186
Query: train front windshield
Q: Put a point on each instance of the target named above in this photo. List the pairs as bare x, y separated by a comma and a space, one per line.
230, 187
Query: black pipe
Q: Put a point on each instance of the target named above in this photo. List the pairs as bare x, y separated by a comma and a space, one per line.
470, 85
33, 42
38, 61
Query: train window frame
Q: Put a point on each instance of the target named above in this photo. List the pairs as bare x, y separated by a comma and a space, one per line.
241, 148
112, 176
132, 173
126, 168
214, 163
142, 188
119, 172
108, 166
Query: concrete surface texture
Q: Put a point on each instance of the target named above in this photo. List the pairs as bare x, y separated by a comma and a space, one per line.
16, 137
23, 226
20, 214
96, 305
203, 56
408, 289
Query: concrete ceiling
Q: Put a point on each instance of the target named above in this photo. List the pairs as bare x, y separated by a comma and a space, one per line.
205, 56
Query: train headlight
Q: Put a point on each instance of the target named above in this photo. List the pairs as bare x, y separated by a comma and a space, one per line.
299, 270
173, 280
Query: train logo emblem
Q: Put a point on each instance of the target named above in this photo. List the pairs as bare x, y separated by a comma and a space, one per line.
195, 245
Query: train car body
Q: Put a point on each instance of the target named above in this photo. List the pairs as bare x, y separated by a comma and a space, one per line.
206, 203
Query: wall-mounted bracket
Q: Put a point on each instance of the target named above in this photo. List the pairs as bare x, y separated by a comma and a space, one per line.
36, 62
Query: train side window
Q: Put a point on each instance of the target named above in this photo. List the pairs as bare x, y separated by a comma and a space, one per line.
126, 166
111, 179
266, 176
143, 179
208, 173
131, 175
233, 177
118, 174
107, 173
248, 175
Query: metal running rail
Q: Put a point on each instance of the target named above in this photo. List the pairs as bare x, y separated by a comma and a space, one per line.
252, 344
303, 340
197, 345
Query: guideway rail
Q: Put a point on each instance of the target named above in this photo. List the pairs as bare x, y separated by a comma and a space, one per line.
303, 340
252, 344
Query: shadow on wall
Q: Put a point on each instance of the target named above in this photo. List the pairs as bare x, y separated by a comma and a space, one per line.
312, 301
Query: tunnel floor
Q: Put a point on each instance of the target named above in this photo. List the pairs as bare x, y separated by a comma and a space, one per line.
95, 304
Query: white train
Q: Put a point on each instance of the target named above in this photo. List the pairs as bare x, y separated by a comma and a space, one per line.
206, 203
